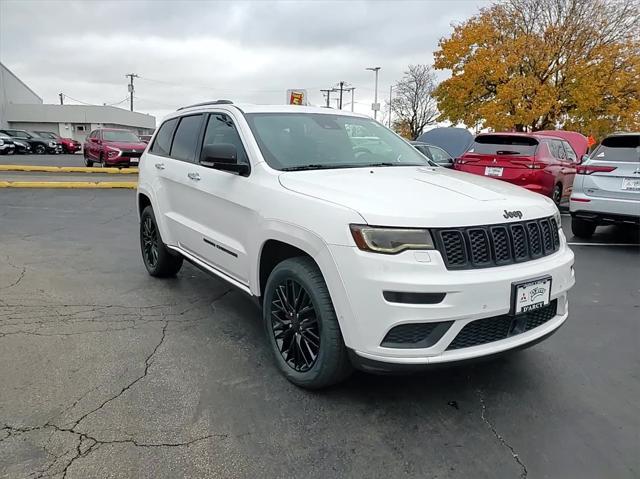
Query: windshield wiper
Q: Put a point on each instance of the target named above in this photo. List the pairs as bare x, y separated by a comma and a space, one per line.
316, 166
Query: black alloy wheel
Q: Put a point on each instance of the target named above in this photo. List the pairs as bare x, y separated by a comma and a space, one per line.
150, 242
40, 149
295, 325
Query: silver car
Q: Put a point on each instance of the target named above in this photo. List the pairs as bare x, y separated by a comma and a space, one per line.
606, 189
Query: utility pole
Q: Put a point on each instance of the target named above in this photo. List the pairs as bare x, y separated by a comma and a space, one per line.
61, 95
328, 92
390, 109
341, 90
376, 106
131, 90
352, 100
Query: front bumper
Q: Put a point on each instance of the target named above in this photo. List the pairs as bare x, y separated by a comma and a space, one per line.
469, 295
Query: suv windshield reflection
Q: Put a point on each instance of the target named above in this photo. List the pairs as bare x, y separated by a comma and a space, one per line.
292, 141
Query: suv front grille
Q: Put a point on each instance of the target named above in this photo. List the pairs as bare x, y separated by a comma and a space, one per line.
483, 331
497, 245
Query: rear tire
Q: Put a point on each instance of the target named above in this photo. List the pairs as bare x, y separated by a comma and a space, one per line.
158, 259
556, 194
582, 228
302, 327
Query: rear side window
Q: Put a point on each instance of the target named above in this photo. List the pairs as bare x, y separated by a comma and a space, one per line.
162, 144
571, 155
185, 141
220, 129
618, 148
557, 150
504, 145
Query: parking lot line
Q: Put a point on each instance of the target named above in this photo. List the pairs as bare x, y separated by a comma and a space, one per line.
68, 169
69, 184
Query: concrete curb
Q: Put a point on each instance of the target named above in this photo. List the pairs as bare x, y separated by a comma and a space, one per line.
70, 184
69, 169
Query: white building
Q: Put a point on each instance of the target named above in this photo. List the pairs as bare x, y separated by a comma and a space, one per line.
22, 109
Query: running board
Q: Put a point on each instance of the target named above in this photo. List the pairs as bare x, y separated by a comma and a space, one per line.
210, 269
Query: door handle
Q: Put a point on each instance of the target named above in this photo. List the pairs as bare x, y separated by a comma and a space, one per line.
194, 176
160, 166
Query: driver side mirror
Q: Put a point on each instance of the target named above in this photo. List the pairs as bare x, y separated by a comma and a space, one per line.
223, 156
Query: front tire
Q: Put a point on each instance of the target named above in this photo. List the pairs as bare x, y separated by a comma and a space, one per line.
302, 327
40, 149
87, 162
582, 229
158, 259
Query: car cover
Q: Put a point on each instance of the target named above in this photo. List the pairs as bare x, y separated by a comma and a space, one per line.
578, 142
454, 141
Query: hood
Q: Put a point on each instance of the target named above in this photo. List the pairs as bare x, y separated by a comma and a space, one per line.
454, 141
413, 196
578, 142
122, 145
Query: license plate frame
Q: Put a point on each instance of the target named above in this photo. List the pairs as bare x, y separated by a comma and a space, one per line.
518, 306
495, 171
631, 181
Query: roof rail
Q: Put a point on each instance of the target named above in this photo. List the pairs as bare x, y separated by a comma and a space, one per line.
216, 102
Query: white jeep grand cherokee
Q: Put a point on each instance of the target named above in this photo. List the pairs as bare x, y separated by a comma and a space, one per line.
361, 251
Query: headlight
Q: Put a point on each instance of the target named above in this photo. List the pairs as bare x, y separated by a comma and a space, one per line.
19, 143
113, 152
52, 144
390, 240
558, 218
1, 142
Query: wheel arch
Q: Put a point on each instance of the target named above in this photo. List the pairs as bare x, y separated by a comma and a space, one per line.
282, 241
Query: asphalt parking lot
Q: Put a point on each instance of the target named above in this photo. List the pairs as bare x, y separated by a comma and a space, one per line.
107, 372
47, 160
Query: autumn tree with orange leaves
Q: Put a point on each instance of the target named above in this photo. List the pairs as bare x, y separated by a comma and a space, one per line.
530, 65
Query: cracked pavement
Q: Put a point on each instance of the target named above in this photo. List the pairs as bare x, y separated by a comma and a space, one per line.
107, 372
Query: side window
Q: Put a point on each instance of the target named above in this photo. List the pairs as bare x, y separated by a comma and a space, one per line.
220, 129
185, 141
558, 150
162, 144
571, 155
439, 156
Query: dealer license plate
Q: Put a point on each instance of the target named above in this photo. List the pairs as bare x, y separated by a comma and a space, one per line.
492, 171
531, 295
631, 184
133, 161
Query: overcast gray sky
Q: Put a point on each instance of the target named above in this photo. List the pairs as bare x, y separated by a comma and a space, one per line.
190, 51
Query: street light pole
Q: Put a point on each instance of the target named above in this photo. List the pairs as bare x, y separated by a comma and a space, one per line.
375, 98
390, 109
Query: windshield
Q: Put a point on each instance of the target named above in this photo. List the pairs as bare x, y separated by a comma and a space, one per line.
118, 135
316, 140
618, 148
504, 145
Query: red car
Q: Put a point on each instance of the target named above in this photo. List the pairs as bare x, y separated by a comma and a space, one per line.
68, 145
544, 162
113, 147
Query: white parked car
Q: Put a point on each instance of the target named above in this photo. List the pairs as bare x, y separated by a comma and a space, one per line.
606, 189
381, 261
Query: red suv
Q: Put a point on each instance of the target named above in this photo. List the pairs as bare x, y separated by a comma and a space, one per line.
112, 147
544, 162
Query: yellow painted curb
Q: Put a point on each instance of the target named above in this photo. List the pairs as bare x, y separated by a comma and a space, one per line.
69, 184
69, 169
